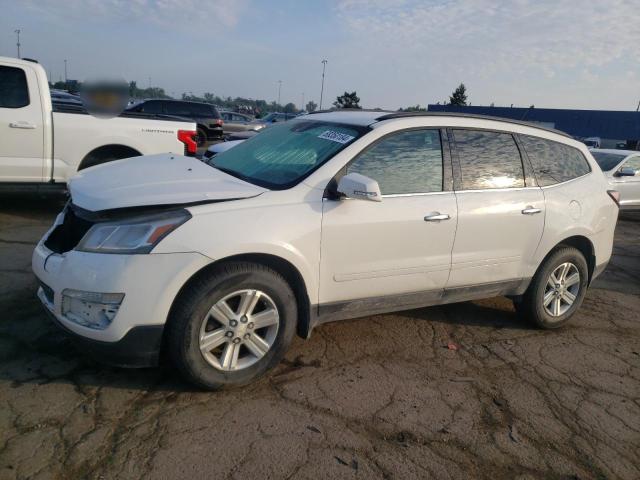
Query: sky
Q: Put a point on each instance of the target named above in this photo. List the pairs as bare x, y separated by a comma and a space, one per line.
394, 53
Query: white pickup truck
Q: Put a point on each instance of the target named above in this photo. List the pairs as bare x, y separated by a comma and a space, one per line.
42, 144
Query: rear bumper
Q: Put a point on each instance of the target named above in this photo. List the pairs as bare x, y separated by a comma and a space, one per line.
139, 348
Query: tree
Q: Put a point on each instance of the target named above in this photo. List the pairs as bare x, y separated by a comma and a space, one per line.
459, 96
289, 108
311, 106
348, 100
416, 108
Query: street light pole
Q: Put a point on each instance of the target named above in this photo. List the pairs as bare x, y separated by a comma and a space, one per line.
324, 65
279, 88
302, 106
17, 32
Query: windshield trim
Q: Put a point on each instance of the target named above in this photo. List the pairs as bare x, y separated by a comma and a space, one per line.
362, 131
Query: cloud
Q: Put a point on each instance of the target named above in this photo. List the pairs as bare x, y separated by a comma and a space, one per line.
484, 38
175, 14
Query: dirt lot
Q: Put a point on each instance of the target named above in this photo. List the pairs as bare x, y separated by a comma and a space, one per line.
381, 397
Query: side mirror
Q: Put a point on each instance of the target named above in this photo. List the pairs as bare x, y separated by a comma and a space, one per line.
356, 186
626, 172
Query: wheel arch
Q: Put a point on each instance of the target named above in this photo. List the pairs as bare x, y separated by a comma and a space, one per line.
284, 267
118, 151
583, 244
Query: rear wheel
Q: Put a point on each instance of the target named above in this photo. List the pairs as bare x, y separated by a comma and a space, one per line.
557, 289
201, 137
231, 326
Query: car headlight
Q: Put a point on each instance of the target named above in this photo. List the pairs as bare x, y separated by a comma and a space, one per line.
133, 235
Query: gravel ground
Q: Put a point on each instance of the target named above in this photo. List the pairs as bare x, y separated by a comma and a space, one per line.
381, 397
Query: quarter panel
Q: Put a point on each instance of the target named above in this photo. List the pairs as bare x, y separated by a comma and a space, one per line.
579, 207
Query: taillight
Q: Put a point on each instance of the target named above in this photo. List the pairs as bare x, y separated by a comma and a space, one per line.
219, 122
615, 196
188, 138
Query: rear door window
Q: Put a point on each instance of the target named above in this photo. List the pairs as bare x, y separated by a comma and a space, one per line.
554, 162
14, 92
198, 110
633, 162
488, 160
152, 107
403, 163
179, 108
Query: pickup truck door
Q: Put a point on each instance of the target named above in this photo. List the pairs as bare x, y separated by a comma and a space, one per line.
397, 252
21, 125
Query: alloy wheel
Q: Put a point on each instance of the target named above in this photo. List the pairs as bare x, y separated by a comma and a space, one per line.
561, 290
239, 330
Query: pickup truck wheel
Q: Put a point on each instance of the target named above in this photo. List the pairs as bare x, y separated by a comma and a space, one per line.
231, 326
107, 154
557, 289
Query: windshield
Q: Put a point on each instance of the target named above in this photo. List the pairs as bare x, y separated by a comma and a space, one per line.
282, 155
608, 161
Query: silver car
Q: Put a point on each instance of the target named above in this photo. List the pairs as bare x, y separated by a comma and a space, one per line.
622, 168
238, 122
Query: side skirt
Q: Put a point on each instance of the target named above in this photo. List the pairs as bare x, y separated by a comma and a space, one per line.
363, 307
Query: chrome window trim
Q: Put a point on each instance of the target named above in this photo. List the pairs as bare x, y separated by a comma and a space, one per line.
568, 181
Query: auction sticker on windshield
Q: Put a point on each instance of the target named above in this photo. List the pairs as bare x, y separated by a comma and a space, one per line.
336, 136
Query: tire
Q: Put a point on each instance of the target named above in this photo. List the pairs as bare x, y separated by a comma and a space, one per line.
193, 319
201, 137
555, 314
105, 155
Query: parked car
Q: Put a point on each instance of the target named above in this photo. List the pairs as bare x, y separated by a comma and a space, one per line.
274, 117
220, 147
331, 216
622, 168
246, 135
239, 122
60, 96
208, 120
592, 142
44, 143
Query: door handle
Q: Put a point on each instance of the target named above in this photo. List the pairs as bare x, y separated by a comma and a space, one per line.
531, 210
25, 125
436, 217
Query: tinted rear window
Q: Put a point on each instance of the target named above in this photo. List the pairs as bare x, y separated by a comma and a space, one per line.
200, 110
554, 162
14, 92
488, 160
608, 161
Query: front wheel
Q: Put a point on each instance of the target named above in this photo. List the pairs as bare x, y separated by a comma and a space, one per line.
231, 326
557, 289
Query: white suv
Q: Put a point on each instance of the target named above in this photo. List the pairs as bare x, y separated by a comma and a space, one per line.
325, 217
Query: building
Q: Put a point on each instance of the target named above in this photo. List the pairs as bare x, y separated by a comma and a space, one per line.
615, 129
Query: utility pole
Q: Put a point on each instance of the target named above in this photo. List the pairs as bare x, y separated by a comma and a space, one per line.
302, 106
279, 88
324, 65
17, 32
638, 107
66, 79
149, 82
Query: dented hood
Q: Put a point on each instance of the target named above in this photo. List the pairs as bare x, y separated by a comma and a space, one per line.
163, 179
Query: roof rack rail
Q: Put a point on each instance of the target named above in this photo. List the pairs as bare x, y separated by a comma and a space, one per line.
469, 115
336, 110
